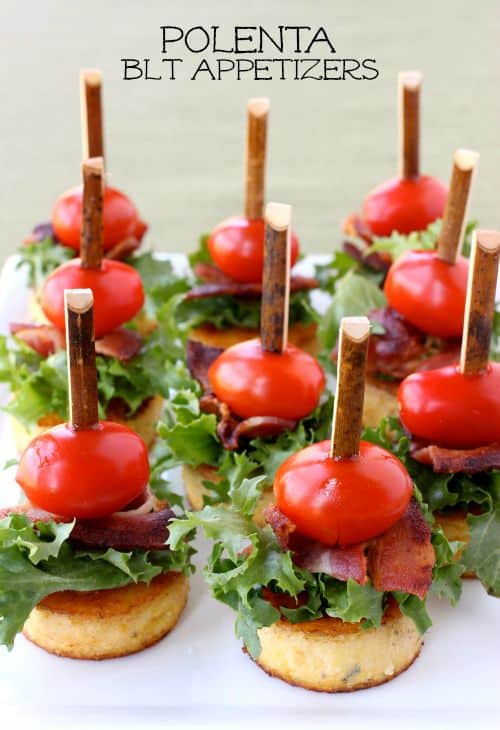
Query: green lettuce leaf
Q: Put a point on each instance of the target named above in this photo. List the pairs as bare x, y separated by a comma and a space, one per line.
441, 492
397, 243
354, 295
36, 560
159, 280
40, 260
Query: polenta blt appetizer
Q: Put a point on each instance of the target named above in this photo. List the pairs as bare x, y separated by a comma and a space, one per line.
330, 594
51, 244
452, 414
418, 318
404, 204
131, 368
223, 307
244, 409
85, 571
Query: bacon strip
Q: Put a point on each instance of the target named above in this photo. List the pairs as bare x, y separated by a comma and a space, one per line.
355, 227
122, 344
199, 357
123, 249
339, 562
403, 349
120, 531
246, 290
211, 274
45, 339
452, 461
402, 558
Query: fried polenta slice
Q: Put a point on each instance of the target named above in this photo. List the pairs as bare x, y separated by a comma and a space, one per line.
329, 655
109, 623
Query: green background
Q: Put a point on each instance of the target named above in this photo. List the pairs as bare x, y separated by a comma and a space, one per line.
177, 147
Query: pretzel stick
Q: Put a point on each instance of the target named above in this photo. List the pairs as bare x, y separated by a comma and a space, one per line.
451, 237
91, 238
258, 111
82, 374
410, 83
91, 111
276, 278
350, 392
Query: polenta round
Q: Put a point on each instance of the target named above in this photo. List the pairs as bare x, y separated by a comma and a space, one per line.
108, 623
329, 655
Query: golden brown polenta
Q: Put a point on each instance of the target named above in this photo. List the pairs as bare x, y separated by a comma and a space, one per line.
455, 527
108, 623
143, 422
195, 490
329, 655
379, 403
300, 335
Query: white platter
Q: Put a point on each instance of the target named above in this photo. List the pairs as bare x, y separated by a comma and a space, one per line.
199, 676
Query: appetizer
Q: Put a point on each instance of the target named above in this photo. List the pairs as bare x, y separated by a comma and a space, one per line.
330, 594
452, 414
84, 568
223, 307
419, 319
410, 201
51, 244
246, 407
130, 367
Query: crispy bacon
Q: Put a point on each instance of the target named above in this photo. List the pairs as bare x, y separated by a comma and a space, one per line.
123, 249
452, 461
339, 562
246, 290
398, 351
119, 531
402, 558
199, 357
122, 344
44, 339
211, 274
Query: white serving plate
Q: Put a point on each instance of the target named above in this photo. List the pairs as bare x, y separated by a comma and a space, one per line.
199, 676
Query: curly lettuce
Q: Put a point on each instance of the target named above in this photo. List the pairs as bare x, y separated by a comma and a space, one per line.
37, 559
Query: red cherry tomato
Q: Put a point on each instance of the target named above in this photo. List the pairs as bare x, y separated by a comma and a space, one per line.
120, 218
404, 205
237, 247
117, 287
254, 382
88, 473
342, 501
429, 292
445, 408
